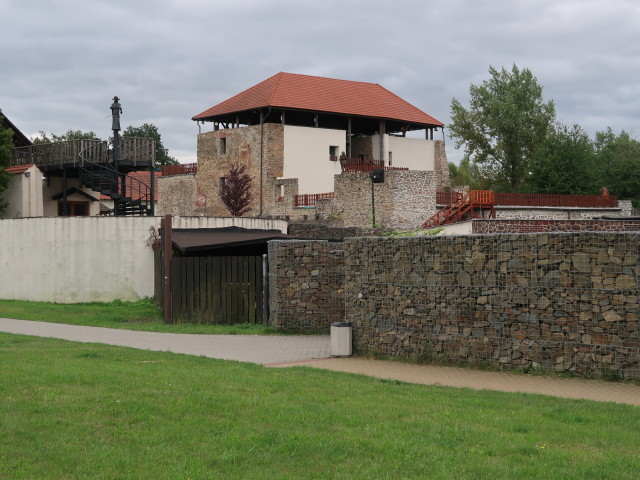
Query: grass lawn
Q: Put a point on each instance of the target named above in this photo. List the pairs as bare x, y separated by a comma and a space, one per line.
142, 315
71, 410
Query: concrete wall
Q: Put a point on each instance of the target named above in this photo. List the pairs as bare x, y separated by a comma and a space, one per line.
79, 259
306, 157
84, 259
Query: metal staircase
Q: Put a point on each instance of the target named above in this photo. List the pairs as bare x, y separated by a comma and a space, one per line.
464, 207
130, 196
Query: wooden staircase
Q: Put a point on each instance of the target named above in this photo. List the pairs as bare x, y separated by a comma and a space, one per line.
130, 196
464, 207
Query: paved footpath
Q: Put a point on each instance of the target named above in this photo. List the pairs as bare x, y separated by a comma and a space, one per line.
314, 351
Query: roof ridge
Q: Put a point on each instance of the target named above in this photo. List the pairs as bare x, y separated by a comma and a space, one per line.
328, 78
275, 87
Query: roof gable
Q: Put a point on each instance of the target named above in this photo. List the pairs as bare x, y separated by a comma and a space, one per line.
305, 92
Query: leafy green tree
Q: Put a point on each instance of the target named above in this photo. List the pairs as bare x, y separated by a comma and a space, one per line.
70, 135
505, 124
565, 163
618, 157
148, 130
467, 173
6, 144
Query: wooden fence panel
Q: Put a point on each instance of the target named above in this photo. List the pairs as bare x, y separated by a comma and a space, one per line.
220, 290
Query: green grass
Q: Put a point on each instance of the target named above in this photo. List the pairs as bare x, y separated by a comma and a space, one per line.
76, 411
142, 315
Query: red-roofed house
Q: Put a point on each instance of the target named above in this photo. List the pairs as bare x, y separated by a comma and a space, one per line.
291, 132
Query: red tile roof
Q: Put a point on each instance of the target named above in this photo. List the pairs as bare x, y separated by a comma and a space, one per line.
18, 168
304, 92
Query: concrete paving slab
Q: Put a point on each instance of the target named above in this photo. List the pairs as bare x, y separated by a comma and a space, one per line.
481, 380
259, 349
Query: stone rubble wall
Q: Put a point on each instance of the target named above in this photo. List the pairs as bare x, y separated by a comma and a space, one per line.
553, 213
487, 226
306, 285
177, 194
404, 201
555, 302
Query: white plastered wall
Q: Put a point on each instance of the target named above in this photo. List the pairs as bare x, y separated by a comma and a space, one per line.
306, 157
415, 153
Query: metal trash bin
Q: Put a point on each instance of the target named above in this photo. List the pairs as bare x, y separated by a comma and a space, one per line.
341, 337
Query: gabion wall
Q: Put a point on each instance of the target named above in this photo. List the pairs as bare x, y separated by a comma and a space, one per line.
306, 285
554, 302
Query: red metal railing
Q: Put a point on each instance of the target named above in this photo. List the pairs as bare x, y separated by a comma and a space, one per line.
540, 200
358, 165
555, 200
309, 200
181, 169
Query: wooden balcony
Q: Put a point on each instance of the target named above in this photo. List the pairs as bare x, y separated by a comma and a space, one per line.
134, 152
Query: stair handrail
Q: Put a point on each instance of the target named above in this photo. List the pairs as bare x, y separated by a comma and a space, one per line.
108, 172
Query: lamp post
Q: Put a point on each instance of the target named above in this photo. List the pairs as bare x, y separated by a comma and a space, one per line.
376, 176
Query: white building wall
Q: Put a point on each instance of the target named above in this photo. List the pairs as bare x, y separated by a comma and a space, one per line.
306, 157
415, 153
24, 195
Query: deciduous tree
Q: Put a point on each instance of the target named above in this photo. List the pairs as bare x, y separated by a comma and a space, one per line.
618, 158
565, 163
505, 124
6, 144
236, 191
148, 130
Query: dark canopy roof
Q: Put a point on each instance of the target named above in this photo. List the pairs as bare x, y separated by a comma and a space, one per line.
190, 241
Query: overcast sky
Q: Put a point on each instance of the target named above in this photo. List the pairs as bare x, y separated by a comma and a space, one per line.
63, 60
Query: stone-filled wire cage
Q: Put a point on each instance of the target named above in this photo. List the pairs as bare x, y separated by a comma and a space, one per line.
306, 284
565, 303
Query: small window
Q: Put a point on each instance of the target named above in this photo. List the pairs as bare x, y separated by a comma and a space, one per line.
333, 153
223, 146
390, 159
221, 183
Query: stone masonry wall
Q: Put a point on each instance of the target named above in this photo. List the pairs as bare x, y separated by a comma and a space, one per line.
404, 201
532, 226
177, 195
306, 281
242, 145
555, 302
553, 213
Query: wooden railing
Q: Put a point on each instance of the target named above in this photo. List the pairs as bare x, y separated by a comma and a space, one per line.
310, 199
539, 200
182, 169
134, 151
